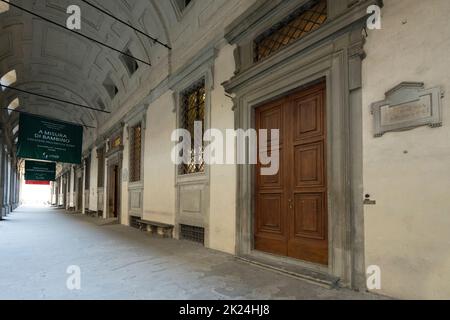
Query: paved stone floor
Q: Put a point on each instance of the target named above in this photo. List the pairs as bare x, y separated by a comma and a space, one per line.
117, 262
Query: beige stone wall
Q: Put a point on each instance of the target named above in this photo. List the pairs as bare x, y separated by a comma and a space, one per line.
159, 172
124, 215
222, 221
93, 197
408, 173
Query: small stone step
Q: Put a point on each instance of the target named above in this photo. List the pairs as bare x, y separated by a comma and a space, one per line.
306, 274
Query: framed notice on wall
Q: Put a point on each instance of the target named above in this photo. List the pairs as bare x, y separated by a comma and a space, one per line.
51, 140
40, 171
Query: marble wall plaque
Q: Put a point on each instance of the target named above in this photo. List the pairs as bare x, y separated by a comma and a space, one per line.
407, 106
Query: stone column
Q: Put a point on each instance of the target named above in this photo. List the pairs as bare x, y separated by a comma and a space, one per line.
5, 181
8, 183
14, 186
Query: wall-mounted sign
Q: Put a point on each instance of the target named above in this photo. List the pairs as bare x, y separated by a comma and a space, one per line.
40, 171
44, 139
40, 183
407, 106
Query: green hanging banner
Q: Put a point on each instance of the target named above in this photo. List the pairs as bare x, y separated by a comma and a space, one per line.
50, 140
40, 171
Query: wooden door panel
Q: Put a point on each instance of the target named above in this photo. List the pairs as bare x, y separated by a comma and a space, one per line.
271, 218
308, 216
275, 181
308, 117
271, 117
311, 250
270, 229
291, 207
309, 168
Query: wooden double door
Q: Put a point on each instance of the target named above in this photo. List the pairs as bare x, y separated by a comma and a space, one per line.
291, 216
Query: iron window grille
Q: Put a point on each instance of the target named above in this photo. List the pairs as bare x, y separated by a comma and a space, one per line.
192, 233
116, 142
193, 110
135, 153
305, 20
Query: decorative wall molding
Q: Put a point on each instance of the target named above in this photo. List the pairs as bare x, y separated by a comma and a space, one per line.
407, 106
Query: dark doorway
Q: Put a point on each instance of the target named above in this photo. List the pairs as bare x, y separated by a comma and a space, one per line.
79, 193
114, 192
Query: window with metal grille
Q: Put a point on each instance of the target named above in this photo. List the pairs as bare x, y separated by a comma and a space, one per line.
192, 233
135, 153
87, 182
115, 142
297, 25
193, 110
101, 167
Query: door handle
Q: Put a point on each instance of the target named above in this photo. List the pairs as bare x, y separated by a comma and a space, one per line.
291, 206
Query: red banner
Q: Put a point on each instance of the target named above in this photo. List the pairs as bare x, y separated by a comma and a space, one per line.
43, 183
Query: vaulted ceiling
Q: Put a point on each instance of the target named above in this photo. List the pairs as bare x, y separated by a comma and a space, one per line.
55, 62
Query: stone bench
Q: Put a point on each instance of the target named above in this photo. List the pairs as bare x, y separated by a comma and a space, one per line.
156, 228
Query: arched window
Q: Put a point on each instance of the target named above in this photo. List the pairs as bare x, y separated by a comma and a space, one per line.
13, 105
4, 6
9, 78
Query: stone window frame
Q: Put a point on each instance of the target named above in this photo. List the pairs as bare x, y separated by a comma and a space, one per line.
138, 116
135, 170
276, 12
193, 189
181, 123
276, 29
203, 69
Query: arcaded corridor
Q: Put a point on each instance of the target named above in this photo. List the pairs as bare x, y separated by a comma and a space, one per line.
118, 262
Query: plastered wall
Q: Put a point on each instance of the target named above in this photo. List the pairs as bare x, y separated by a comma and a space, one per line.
223, 177
124, 219
408, 173
93, 197
159, 171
